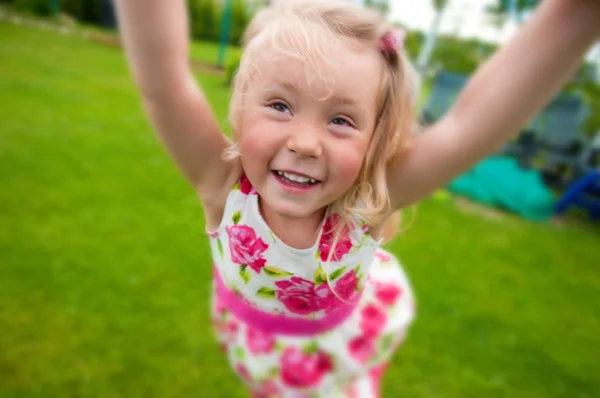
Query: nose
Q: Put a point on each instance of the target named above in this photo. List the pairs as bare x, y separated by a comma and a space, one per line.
305, 140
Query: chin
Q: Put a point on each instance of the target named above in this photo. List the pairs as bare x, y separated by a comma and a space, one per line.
292, 210
295, 211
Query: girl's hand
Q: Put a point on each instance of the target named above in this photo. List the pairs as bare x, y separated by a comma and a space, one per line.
510, 88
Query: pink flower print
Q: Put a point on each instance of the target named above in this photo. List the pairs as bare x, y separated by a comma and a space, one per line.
219, 325
345, 287
299, 369
343, 291
387, 293
365, 228
245, 247
220, 307
299, 295
245, 186
242, 370
375, 374
343, 245
373, 320
259, 342
361, 348
267, 389
352, 391
231, 329
383, 256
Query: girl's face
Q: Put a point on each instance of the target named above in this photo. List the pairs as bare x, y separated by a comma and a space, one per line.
305, 132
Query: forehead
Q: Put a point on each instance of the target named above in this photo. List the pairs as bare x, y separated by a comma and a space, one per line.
342, 69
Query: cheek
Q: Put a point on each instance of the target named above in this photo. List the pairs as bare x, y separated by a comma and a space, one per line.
349, 163
252, 151
257, 146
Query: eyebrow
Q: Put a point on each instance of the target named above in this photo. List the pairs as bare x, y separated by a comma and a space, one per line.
279, 85
347, 100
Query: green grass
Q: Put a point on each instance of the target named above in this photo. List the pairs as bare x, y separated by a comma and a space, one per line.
209, 52
104, 268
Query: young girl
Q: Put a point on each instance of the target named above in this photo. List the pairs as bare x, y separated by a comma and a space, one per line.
324, 151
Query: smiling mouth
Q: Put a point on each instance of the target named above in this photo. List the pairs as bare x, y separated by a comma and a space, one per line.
295, 179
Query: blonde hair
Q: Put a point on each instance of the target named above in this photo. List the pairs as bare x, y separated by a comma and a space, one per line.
287, 26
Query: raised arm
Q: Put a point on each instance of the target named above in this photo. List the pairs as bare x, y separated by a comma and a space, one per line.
155, 36
501, 97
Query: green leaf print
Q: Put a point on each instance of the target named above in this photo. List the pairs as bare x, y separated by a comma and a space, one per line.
273, 372
273, 236
220, 246
320, 275
338, 273
236, 217
244, 273
236, 186
240, 353
387, 341
235, 289
311, 347
265, 292
279, 347
275, 272
359, 286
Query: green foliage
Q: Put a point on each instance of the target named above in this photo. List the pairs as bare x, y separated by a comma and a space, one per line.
82, 10
382, 6
240, 17
205, 19
36, 7
439, 4
585, 85
413, 43
505, 6
501, 9
451, 53
231, 69
460, 56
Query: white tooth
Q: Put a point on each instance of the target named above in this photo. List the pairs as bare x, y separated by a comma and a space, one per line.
312, 181
279, 172
295, 177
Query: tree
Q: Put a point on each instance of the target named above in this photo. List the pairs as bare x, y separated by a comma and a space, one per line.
240, 17
382, 6
204, 19
516, 9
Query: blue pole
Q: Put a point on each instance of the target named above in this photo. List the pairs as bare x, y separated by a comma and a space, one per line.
517, 13
225, 23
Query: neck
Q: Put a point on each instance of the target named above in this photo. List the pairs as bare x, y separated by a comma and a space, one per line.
299, 233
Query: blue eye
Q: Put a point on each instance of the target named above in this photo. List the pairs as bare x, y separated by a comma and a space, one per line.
339, 121
280, 107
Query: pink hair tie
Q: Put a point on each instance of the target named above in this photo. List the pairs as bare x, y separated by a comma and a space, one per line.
392, 42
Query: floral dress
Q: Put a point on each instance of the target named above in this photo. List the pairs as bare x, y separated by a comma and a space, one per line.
317, 322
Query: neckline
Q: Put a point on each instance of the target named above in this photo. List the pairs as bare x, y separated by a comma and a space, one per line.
263, 222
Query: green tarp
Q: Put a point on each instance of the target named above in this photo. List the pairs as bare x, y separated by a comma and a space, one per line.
500, 182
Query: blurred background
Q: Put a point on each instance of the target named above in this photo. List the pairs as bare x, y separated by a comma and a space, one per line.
105, 268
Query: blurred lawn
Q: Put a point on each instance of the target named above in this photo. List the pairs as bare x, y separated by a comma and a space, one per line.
104, 268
